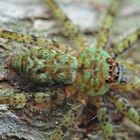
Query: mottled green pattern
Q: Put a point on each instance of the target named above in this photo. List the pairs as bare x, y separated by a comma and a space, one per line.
49, 67
92, 71
45, 66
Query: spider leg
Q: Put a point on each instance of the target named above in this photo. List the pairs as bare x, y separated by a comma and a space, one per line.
68, 121
23, 98
129, 86
55, 97
105, 120
105, 28
132, 83
125, 108
125, 43
130, 65
75, 35
33, 40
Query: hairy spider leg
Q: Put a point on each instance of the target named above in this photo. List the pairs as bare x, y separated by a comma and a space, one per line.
130, 65
125, 108
49, 98
33, 40
22, 98
73, 33
68, 121
106, 25
104, 119
130, 86
125, 43
133, 82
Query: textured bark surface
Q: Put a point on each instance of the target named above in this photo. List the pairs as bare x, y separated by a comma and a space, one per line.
33, 17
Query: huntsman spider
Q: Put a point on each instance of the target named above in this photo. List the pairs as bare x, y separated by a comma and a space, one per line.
88, 73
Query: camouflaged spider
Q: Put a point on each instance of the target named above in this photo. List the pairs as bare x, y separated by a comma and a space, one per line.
90, 73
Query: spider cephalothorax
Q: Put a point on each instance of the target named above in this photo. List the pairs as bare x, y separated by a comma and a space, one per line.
88, 74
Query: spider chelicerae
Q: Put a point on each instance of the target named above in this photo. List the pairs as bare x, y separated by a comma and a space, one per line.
85, 73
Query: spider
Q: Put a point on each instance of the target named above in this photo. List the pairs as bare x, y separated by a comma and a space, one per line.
95, 74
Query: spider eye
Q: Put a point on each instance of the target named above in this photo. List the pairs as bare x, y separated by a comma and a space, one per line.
121, 74
116, 72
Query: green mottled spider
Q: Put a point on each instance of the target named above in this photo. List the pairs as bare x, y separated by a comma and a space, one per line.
89, 74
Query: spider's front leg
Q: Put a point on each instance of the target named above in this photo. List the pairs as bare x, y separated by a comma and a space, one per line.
105, 28
130, 86
125, 108
68, 121
135, 68
132, 83
125, 43
104, 119
75, 35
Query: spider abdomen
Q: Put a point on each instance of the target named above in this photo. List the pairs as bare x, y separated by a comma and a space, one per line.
45, 66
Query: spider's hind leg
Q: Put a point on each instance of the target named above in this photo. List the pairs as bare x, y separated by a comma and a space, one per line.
33, 40
25, 98
105, 28
73, 32
125, 108
11, 98
68, 121
125, 43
